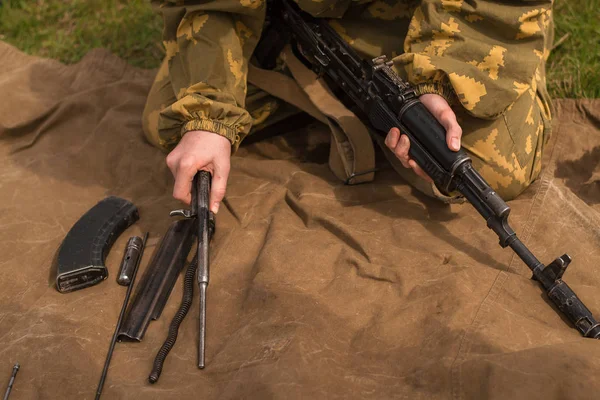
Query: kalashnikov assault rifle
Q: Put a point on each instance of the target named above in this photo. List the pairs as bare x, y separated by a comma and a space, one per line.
383, 101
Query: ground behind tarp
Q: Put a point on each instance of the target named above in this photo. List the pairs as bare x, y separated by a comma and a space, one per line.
318, 290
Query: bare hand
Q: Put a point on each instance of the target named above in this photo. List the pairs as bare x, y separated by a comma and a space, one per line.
200, 151
439, 107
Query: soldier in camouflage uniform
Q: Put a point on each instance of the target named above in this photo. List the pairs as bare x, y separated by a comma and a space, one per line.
476, 64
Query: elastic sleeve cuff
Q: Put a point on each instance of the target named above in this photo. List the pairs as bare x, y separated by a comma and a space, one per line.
443, 89
210, 125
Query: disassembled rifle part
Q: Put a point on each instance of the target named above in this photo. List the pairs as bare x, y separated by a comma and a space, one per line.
204, 221
11, 382
206, 227
158, 280
80, 259
186, 303
130, 259
120, 320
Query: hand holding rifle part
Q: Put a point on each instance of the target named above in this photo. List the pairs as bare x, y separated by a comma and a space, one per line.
200, 150
204, 221
383, 101
438, 106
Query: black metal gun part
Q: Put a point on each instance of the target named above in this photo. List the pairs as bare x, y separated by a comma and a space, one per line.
206, 228
383, 101
159, 278
203, 221
141, 245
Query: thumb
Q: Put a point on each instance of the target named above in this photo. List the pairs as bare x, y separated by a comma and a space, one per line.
442, 111
218, 186
453, 130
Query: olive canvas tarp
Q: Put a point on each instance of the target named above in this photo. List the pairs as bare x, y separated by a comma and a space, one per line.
318, 290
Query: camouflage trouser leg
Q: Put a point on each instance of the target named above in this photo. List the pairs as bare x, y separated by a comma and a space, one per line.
264, 108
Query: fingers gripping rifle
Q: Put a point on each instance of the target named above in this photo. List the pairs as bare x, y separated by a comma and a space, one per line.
384, 101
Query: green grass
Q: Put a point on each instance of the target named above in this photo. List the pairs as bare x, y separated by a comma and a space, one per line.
67, 29
574, 65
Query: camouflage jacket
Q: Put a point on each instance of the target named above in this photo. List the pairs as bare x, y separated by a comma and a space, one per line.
480, 55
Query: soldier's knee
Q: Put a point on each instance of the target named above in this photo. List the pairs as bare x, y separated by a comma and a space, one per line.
507, 185
507, 151
506, 167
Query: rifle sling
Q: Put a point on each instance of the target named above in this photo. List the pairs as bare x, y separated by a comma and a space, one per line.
352, 154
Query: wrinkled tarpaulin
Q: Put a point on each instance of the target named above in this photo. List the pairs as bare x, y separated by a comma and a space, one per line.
318, 290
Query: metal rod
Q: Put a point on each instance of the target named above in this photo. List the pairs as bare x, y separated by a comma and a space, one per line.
202, 325
121, 315
12, 380
202, 188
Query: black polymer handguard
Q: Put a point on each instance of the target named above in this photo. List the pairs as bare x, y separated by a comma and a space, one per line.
80, 260
382, 100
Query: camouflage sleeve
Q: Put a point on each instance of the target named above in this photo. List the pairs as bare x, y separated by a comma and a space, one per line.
480, 54
208, 45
